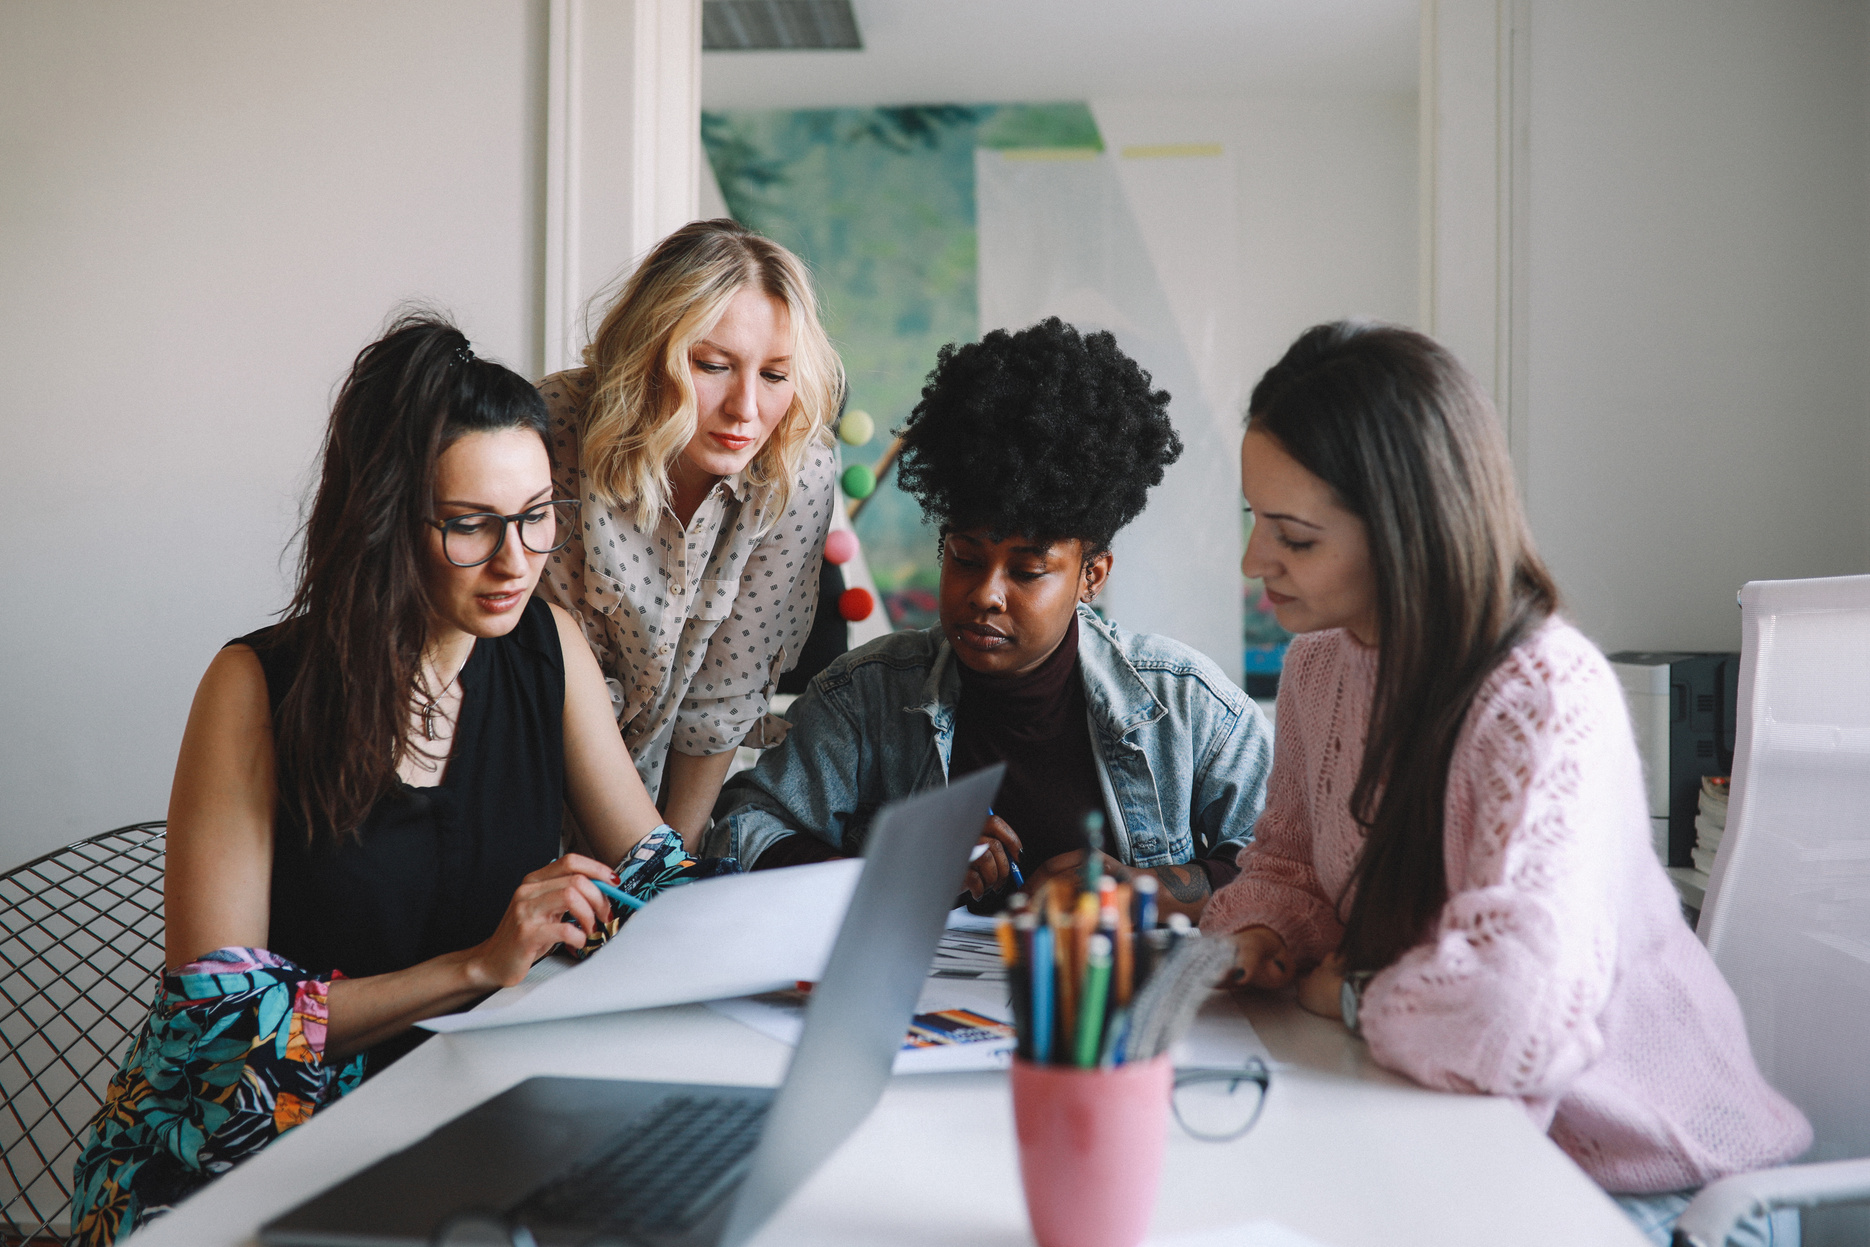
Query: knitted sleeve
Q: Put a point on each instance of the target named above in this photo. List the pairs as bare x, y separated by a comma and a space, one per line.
1504, 997
1278, 884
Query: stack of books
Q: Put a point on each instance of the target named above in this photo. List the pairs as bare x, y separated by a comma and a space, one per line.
1710, 821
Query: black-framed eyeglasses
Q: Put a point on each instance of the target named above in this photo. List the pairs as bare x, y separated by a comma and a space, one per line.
1220, 1105
472, 539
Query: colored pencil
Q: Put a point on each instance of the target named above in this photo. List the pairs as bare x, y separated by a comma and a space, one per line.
1123, 970
1041, 979
1064, 937
1019, 981
1091, 1010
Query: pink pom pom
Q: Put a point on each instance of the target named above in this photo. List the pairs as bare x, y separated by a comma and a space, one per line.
840, 545
856, 604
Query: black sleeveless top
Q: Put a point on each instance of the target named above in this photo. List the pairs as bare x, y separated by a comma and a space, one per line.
431, 869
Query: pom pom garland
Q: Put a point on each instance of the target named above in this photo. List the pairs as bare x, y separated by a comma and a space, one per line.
840, 545
856, 428
856, 604
858, 481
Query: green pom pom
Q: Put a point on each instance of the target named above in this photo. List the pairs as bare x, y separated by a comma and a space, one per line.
858, 481
856, 428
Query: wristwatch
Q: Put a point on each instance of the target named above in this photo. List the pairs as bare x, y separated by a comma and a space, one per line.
1351, 999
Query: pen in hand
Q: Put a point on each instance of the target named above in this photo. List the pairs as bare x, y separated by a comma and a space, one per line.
618, 896
1019, 880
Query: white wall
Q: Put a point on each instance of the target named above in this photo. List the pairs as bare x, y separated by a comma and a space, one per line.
1699, 411
1325, 200
1262, 215
206, 210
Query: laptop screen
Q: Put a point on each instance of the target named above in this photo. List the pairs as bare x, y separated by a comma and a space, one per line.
914, 861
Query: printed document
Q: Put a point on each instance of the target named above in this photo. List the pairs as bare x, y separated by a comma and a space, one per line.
735, 935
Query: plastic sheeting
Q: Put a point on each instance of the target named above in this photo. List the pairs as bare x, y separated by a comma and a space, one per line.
1058, 236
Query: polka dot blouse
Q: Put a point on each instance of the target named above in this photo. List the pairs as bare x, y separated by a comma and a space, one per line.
691, 627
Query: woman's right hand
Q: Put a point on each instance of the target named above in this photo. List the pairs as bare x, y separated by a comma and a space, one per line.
535, 919
1260, 960
995, 866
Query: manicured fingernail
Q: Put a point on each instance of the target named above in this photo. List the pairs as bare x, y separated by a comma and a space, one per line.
615, 877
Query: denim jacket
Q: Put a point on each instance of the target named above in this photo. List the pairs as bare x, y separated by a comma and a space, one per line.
1182, 753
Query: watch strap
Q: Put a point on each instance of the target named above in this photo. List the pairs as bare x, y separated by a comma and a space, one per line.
1351, 1000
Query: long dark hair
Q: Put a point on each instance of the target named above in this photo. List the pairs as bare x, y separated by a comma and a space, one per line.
1410, 443
360, 613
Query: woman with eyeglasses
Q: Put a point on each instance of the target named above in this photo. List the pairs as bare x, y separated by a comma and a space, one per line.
696, 438
364, 827
1455, 854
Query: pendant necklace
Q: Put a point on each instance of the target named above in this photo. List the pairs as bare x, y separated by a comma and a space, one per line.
432, 701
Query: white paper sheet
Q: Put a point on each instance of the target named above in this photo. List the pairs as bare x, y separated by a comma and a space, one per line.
959, 919
731, 936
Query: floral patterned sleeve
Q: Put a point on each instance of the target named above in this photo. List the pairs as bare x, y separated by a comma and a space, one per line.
231, 1057
657, 863
771, 617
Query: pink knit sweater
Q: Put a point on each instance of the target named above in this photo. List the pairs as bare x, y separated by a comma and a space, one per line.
1560, 971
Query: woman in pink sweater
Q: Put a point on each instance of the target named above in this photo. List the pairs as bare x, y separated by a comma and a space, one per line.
1455, 855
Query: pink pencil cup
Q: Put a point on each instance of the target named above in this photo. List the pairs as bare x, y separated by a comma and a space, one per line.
1090, 1149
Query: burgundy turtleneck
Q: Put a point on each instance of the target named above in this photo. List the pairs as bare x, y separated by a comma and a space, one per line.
1035, 722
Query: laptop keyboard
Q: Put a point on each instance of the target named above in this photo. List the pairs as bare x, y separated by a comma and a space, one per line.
657, 1172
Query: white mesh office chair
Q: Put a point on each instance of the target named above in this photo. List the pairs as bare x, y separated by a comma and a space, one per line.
1787, 916
80, 949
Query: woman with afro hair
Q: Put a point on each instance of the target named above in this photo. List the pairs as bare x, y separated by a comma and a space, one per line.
1029, 451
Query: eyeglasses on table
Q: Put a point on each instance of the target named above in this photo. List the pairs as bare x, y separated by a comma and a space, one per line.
1218, 1105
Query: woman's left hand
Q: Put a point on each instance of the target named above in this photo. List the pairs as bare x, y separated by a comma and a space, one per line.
1320, 989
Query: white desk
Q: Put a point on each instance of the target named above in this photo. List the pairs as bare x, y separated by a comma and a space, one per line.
1345, 1152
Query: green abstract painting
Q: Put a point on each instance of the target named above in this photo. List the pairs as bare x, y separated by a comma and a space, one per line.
880, 203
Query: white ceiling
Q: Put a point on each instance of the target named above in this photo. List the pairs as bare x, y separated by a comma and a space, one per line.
989, 51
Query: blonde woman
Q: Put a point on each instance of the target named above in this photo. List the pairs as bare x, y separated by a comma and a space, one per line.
696, 436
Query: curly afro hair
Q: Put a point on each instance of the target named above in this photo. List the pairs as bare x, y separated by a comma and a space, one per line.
1044, 433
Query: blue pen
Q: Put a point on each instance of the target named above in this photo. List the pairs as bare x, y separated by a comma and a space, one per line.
1019, 880
1041, 970
618, 896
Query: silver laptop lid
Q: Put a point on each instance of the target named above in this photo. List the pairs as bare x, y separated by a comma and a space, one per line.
914, 861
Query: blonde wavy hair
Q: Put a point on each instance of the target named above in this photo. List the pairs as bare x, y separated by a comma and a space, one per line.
642, 411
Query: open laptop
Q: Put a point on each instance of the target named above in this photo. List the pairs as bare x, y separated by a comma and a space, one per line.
589, 1160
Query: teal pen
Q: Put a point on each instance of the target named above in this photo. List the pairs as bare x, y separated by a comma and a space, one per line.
1019, 880
618, 896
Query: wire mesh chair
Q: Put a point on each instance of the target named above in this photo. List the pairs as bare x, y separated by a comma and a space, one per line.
80, 951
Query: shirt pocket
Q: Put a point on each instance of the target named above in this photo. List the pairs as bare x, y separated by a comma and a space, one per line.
714, 599
603, 592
